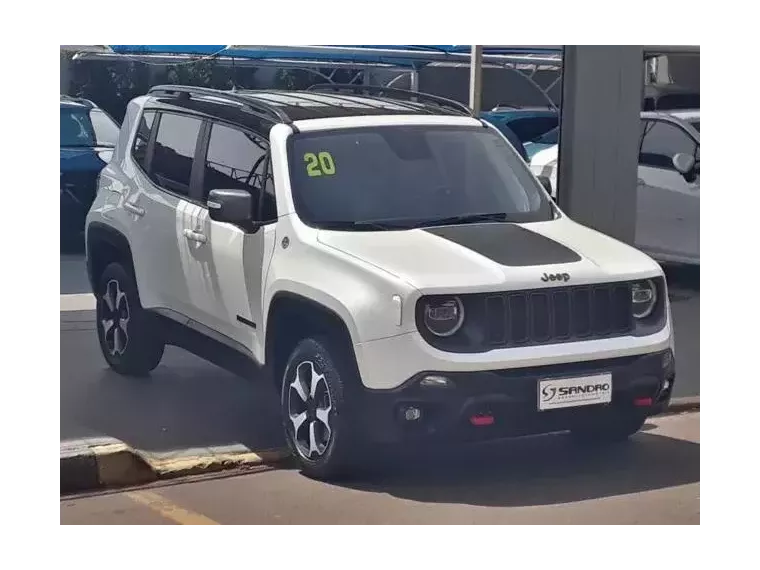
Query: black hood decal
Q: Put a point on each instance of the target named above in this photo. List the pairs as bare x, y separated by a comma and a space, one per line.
507, 244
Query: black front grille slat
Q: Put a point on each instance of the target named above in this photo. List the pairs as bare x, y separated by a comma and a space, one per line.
543, 316
496, 320
600, 311
518, 317
622, 317
561, 314
580, 306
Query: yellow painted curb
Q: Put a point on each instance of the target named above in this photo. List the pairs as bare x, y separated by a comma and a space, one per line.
118, 465
88, 465
194, 464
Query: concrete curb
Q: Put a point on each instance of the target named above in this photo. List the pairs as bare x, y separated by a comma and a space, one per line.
91, 464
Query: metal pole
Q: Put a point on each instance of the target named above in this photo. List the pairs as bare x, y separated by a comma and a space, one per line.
476, 78
414, 81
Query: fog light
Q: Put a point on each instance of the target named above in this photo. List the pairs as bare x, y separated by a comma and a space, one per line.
436, 382
412, 414
665, 385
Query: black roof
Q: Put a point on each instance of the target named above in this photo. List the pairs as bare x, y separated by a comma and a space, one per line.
320, 101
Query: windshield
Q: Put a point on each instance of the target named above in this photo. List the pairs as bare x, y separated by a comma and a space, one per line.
411, 176
87, 128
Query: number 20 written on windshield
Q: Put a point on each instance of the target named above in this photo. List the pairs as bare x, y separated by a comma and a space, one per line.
318, 165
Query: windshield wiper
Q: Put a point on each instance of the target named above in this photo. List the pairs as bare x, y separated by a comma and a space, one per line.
411, 223
362, 225
466, 219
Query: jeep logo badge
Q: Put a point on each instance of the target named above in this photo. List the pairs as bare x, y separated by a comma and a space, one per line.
555, 277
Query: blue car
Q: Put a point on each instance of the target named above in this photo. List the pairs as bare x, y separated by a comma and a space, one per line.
523, 126
88, 137
544, 141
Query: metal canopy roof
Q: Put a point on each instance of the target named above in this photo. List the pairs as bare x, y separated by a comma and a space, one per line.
409, 56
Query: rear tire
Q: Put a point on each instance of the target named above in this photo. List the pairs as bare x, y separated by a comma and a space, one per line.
315, 410
128, 336
615, 429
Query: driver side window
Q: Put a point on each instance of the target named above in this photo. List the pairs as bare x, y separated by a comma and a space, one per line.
236, 159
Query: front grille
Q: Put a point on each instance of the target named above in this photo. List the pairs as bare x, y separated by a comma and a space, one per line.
545, 316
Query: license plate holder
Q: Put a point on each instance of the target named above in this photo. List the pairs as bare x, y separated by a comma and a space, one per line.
572, 392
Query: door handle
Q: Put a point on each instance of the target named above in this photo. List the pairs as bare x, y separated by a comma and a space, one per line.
136, 210
195, 236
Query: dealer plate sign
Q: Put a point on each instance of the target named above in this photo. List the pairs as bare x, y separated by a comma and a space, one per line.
572, 392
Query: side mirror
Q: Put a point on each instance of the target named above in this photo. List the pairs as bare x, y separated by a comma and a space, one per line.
547, 184
683, 163
233, 206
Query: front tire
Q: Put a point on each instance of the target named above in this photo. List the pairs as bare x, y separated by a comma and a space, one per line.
127, 334
314, 409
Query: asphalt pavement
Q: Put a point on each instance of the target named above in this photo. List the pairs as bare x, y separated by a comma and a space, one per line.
652, 479
188, 403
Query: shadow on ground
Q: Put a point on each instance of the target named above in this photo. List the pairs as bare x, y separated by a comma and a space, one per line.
185, 403
535, 471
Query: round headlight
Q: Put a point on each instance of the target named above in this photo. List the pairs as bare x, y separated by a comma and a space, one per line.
444, 317
644, 297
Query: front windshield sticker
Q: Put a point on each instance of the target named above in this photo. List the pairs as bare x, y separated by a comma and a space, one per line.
318, 165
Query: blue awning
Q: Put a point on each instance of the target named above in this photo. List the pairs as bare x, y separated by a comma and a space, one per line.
172, 50
396, 55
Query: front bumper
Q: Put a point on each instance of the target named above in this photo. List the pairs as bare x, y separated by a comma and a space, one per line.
510, 398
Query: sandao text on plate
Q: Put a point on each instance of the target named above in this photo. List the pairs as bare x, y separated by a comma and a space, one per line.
555, 277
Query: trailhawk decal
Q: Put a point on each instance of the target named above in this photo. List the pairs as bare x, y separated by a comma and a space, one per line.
507, 244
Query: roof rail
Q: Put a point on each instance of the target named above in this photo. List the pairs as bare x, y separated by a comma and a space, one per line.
398, 93
258, 108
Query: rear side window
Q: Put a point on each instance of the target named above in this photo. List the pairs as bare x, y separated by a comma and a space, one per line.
174, 151
140, 146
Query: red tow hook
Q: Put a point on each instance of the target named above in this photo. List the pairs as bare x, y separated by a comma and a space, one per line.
482, 420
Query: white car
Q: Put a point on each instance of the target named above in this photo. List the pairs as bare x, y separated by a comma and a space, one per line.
667, 220
386, 258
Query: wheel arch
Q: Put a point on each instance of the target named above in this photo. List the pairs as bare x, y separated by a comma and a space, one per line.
313, 318
105, 245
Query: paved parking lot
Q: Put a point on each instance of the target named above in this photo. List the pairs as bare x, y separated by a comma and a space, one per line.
188, 403
653, 479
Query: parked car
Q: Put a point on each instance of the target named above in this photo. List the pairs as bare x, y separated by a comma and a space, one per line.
547, 140
88, 137
695, 117
390, 265
670, 97
522, 126
667, 217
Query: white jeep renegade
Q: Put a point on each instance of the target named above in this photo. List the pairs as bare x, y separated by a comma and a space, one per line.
387, 258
